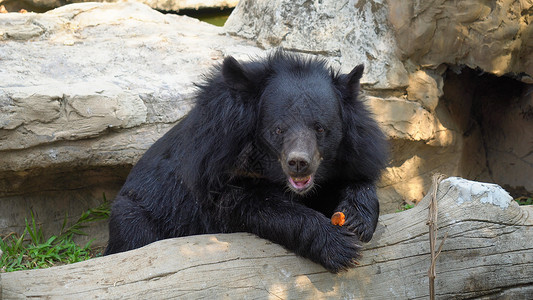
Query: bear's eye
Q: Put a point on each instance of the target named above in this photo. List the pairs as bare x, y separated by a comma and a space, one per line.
278, 131
319, 128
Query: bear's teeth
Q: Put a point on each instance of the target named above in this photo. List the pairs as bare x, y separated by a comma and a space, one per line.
301, 183
301, 178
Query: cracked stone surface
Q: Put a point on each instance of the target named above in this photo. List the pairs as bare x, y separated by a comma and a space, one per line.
86, 88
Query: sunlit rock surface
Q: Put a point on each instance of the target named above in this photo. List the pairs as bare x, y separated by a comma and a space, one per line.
86, 88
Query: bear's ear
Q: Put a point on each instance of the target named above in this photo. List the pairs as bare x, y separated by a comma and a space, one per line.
349, 83
235, 76
355, 76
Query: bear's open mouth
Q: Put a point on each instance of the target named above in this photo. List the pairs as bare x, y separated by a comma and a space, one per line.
300, 184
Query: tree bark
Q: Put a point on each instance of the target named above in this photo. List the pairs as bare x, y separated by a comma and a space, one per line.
488, 254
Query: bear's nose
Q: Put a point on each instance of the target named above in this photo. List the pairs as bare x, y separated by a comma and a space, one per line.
298, 163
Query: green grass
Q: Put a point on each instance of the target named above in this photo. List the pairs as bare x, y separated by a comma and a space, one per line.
524, 200
520, 201
32, 250
214, 16
405, 206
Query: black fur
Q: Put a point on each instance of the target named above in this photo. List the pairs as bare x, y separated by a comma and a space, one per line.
272, 147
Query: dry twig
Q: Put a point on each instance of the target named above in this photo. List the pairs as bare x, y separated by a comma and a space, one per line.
432, 222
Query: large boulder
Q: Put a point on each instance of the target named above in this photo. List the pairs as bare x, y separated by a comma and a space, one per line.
85, 89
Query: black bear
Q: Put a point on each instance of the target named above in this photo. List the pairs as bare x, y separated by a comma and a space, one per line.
273, 147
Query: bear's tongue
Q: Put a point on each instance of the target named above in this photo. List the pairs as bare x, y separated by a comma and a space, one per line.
300, 182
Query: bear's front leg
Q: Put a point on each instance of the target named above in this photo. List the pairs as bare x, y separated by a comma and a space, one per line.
359, 203
298, 228
129, 226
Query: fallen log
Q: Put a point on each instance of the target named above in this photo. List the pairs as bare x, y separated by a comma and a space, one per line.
488, 254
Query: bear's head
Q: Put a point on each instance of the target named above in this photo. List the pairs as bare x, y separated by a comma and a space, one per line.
299, 105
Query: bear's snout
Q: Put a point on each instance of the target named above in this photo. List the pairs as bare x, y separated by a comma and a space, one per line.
298, 162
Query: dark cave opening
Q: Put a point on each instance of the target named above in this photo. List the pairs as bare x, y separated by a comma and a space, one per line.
495, 116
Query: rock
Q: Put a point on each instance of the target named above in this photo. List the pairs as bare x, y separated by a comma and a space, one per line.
348, 32
487, 254
85, 89
425, 87
402, 119
169, 5
494, 37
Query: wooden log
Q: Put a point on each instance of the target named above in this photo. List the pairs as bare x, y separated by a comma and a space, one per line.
488, 254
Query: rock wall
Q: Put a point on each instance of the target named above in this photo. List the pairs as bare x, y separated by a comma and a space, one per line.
86, 88
411, 51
